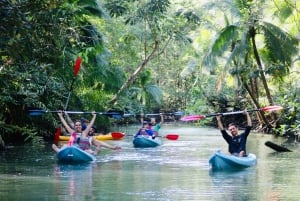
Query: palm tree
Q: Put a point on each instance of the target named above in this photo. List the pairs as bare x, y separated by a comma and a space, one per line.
239, 39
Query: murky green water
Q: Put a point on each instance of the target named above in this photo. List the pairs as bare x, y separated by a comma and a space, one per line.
178, 170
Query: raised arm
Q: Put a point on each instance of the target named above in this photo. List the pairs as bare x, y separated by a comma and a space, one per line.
89, 126
161, 119
69, 120
66, 125
142, 119
220, 125
249, 121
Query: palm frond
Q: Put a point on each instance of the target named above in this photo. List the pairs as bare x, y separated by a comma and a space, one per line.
226, 6
283, 11
239, 50
155, 92
281, 45
220, 45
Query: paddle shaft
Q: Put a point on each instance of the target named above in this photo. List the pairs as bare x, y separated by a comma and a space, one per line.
75, 71
69, 95
198, 117
38, 112
231, 113
168, 136
155, 114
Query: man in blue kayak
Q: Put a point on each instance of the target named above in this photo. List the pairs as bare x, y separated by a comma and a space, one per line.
156, 126
237, 142
145, 130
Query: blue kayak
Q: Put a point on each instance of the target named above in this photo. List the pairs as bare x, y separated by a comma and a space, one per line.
146, 142
73, 154
220, 161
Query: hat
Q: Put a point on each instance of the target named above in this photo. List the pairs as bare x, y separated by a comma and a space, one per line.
145, 122
84, 120
95, 128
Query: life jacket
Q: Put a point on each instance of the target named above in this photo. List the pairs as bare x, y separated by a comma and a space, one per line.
84, 143
145, 132
73, 138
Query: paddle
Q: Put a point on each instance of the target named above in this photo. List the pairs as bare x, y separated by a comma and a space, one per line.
76, 70
38, 112
57, 134
277, 147
199, 117
117, 135
179, 113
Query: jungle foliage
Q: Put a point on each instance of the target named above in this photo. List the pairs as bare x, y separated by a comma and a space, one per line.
147, 56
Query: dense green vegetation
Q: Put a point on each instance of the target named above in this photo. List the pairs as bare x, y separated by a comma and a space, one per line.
147, 56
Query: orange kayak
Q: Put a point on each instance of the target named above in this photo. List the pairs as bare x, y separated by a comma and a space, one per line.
109, 136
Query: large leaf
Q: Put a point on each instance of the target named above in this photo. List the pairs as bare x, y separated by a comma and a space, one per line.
220, 45
282, 46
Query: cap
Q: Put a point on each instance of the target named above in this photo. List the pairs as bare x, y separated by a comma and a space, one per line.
84, 120
95, 128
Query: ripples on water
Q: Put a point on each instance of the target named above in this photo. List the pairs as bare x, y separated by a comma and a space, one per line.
177, 170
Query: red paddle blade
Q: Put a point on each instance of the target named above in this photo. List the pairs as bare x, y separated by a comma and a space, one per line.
271, 108
117, 135
57, 134
192, 118
172, 136
77, 66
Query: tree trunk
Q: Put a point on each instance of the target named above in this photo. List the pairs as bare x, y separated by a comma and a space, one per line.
261, 71
255, 102
135, 74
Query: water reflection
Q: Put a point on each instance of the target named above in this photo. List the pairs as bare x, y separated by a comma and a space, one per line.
177, 170
73, 182
234, 185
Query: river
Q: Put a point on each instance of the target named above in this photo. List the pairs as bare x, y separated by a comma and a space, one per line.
176, 171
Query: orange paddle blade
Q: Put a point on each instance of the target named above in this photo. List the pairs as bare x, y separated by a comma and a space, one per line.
172, 136
57, 134
77, 66
271, 108
192, 118
117, 135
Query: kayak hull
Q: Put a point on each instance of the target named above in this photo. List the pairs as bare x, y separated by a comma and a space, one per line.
220, 161
73, 154
98, 137
146, 142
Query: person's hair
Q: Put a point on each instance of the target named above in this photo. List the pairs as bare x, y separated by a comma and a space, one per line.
232, 124
77, 120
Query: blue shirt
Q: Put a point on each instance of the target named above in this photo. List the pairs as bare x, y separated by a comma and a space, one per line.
147, 131
236, 143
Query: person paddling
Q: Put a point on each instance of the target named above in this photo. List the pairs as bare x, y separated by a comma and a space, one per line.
145, 130
236, 142
156, 126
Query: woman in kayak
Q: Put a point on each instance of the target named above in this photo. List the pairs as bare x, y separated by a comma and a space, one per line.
80, 137
236, 142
